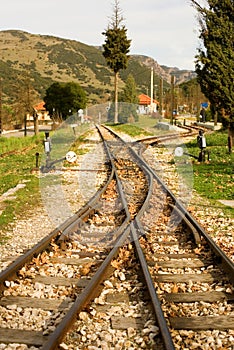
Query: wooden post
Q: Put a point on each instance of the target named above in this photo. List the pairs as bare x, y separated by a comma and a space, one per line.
25, 125
172, 97
160, 96
37, 160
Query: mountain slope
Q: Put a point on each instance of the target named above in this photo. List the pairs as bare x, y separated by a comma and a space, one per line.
45, 59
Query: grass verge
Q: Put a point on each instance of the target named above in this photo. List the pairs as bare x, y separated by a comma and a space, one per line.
130, 129
213, 179
17, 159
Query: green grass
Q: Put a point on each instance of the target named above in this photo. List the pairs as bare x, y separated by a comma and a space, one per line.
13, 143
18, 159
15, 168
145, 126
146, 122
213, 179
130, 129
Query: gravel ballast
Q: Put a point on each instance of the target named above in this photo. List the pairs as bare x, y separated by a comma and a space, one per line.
78, 185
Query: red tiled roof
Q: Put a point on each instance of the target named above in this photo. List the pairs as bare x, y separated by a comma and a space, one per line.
145, 100
40, 106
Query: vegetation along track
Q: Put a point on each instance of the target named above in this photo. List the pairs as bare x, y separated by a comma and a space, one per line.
173, 252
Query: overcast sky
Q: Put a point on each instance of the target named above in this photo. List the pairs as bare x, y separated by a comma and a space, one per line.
166, 30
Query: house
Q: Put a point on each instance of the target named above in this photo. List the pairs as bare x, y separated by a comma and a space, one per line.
42, 113
146, 106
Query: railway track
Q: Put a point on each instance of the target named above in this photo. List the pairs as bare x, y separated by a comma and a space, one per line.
186, 250
195, 292
133, 227
96, 227
188, 131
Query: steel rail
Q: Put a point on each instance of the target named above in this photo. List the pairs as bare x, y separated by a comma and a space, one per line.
227, 264
162, 323
116, 175
85, 297
134, 226
88, 208
196, 236
158, 139
195, 228
56, 337
147, 173
58, 233
123, 232
66, 227
165, 137
81, 301
14, 267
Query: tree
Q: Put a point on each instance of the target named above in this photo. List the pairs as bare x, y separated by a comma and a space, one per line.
215, 58
62, 99
26, 98
116, 48
129, 97
129, 93
191, 96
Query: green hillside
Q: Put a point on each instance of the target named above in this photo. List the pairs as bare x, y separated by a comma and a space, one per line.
44, 59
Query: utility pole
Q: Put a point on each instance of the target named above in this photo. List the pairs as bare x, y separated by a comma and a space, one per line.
0, 106
151, 89
161, 96
172, 97
28, 104
198, 103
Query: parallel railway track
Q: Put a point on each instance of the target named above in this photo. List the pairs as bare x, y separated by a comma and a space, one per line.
132, 209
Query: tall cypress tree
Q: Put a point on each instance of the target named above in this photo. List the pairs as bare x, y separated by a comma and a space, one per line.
215, 58
129, 93
116, 48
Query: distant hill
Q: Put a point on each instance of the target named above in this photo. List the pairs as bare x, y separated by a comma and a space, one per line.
166, 72
46, 59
